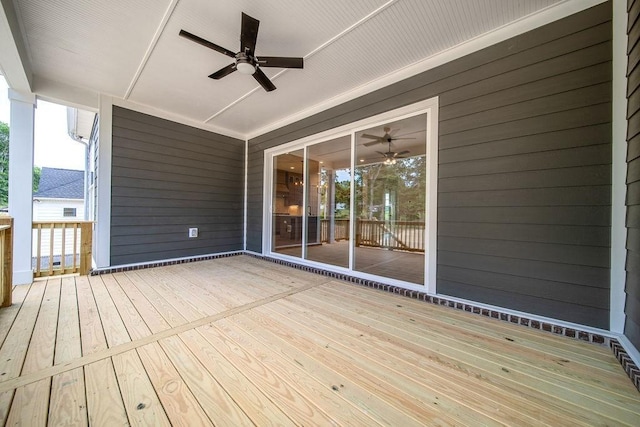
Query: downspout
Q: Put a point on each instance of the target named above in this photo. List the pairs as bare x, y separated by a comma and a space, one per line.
72, 130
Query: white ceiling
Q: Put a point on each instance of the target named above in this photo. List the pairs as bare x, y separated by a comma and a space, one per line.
130, 49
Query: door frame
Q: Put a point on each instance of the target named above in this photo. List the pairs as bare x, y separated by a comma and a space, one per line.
428, 107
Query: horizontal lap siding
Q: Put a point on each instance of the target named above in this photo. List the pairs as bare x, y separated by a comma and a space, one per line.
525, 178
632, 308
524, 167
166, 178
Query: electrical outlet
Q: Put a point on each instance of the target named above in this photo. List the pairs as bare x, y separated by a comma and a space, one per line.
193, 232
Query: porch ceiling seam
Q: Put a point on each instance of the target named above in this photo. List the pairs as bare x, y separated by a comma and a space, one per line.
151, 47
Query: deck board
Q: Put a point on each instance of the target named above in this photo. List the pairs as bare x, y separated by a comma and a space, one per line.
15, 346
104, 400
8, 314
241, 341
178, 401
140, 400
432, 364
31, 402
491, 403
248, 396
213, 398
68, 403
548, 356
460, 351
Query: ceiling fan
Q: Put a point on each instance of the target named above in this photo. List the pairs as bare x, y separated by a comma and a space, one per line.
391, 157
246, 61
387, 137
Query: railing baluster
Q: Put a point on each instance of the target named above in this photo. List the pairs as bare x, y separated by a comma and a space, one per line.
39, 251
64, 243
75, 246
51, 239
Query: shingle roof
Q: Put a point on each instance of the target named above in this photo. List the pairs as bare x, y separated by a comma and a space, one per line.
61, 184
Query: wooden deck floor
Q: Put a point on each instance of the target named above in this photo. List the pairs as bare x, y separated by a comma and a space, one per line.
239, 341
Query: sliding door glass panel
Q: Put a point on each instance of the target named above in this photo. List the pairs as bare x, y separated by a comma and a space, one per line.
328, 201
390, 180
287, 207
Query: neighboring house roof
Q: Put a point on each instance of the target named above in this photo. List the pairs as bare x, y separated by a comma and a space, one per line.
60, 184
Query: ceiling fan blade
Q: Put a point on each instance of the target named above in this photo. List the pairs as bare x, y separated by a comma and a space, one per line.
280, 62
249, 33
381, 153
400, 153
207, 43
223, 72
400, 139
263, 80
366, 135
369, 144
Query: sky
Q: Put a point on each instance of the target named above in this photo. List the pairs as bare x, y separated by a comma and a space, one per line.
53, 146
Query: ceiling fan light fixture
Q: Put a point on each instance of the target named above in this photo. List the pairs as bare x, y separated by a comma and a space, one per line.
244, 67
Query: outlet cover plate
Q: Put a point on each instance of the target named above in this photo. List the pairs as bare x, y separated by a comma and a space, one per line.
193, 232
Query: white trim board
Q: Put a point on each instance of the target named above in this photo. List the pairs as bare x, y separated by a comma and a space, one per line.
162, 114
102, 232
618, 169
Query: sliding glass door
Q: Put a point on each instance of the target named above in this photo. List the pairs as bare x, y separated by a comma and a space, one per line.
358, 201
287, 203
329, 200
390, 190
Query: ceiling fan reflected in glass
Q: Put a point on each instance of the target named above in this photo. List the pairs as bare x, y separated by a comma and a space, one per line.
387, 137
246, 61
391, 157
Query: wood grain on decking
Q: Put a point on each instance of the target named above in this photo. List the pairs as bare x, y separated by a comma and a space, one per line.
239, 341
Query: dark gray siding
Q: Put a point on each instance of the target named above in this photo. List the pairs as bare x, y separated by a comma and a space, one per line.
167, 177
524, 167
632, 308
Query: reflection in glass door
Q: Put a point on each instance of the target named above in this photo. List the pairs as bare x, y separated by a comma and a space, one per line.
390, 190
287, 203
328, 201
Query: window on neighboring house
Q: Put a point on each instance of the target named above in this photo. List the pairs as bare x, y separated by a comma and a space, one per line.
69, 212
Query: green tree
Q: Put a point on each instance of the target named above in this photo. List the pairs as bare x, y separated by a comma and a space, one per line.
36, 178
4, 166
4, 163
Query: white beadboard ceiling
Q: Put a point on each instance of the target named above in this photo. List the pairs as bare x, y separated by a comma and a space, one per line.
130, 49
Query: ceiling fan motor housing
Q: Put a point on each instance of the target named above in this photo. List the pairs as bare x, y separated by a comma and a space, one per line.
244, 64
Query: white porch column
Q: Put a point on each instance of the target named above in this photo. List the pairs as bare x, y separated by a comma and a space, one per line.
21, 182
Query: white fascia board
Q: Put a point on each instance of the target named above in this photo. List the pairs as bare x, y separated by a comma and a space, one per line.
14, 62
65, 94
